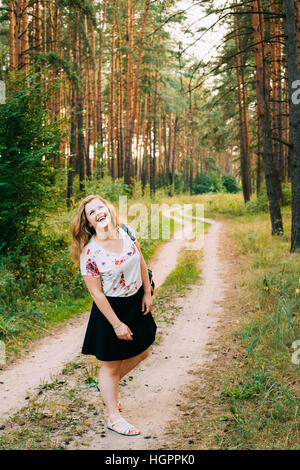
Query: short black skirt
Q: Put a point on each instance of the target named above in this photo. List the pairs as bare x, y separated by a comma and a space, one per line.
100, 338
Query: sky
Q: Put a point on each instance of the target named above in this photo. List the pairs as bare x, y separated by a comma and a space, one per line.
206, 48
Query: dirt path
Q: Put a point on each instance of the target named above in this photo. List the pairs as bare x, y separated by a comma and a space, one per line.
48, 355
153, 397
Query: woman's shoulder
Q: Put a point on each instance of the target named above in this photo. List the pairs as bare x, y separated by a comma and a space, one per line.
88, 248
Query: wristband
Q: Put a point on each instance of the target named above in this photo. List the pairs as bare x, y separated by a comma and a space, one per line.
117, 326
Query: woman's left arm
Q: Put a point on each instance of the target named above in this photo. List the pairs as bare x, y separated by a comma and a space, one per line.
147, 298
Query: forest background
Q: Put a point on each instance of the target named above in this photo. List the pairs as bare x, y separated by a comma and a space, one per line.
100, 98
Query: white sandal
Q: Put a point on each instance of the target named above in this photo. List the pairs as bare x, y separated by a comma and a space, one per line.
124, 431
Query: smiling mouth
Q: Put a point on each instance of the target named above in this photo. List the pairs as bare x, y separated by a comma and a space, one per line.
100, 219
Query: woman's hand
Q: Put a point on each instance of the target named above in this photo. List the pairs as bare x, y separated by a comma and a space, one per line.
146, 303
123, 332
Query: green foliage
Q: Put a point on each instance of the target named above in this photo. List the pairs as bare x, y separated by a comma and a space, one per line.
179, 182
136, 189
230, 184
210, 182
105, 187
286, 194
249, 388
27, 143
258, 204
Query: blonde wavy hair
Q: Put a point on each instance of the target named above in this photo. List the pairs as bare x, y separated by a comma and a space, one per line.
80, 230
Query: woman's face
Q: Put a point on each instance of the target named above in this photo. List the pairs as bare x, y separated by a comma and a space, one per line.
97, 214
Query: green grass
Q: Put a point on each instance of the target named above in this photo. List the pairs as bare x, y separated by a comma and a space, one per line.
271, 419
29, 328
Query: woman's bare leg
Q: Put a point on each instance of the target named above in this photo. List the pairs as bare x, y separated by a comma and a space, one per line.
109, 379
128, 364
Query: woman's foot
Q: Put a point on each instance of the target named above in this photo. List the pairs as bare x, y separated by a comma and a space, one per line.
118, 424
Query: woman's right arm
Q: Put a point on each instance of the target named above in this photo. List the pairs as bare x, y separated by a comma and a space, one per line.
94, 286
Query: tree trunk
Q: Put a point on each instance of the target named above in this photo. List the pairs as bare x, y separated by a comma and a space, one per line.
292, 11
275, 32
12, 32
71, 169
111, 103
243, 121
153, 156
25, 37
129, 88
120, 97
100, 133
263, 99
44, 25
169, 153
174, 154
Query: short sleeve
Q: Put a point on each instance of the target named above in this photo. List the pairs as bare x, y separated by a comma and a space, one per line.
88, 266
132, 231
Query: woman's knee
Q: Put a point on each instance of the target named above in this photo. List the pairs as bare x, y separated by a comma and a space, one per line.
111, 367
145, 353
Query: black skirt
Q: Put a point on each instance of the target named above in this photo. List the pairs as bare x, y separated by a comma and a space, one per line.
100, 338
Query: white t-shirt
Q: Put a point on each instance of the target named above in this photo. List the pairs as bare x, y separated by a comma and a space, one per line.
120, 273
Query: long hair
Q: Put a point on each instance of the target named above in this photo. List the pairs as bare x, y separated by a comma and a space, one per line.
81, 231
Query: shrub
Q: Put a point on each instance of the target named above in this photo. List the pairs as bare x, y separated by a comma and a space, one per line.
106, 187
259, 204
211, 182
287, 194
230, 184
28, 143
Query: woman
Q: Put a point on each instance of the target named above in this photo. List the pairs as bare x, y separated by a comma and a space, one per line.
121, 327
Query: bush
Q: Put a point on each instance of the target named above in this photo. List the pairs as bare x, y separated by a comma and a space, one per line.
179, 182
28, 143
287, 194
260, 204
230, 184
106, 187
211, 182
136, 189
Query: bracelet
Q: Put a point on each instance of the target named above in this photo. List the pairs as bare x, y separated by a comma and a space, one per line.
117, 326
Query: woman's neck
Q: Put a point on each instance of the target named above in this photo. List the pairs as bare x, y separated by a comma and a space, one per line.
107, 233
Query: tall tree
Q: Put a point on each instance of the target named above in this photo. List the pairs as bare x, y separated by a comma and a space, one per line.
243, 113
263, 107
292, 11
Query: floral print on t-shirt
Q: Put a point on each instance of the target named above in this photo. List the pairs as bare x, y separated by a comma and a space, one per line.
120, 273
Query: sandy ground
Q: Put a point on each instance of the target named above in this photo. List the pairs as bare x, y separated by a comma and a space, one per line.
154, 395
47, 356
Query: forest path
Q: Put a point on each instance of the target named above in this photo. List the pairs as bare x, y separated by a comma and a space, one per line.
47, 356
153, 397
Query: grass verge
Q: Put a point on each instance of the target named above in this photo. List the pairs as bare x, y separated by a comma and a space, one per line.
247, 396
